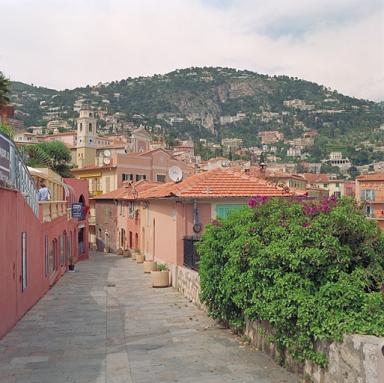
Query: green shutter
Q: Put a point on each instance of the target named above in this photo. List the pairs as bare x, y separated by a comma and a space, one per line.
222, 211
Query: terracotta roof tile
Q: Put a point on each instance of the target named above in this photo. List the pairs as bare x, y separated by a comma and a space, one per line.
218, 183
371, 177
314, 177
126, 192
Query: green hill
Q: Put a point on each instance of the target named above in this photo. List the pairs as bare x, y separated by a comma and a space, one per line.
199, 102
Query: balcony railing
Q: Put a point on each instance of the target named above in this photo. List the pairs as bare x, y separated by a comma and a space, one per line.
19, 176
50, 210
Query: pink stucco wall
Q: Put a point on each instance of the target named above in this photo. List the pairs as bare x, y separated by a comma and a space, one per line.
106, 219
162, 230
17, 217
173, 221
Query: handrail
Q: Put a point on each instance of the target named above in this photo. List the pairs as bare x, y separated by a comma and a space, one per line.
20, 178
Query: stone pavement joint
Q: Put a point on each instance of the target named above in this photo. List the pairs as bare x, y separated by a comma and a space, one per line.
106, 324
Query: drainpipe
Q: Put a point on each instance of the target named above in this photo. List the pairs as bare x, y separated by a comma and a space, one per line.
196, 221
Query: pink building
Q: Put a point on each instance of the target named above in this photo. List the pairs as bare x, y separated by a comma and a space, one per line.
118, 220
37, 240
176, 213
165, 220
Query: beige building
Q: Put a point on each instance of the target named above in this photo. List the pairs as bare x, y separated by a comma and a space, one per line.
152, 165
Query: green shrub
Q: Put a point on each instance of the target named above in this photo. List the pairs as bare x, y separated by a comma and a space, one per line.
314, 271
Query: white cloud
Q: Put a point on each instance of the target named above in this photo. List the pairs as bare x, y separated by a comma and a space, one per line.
71, 43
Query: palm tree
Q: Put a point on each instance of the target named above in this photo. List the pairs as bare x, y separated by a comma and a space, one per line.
4, 90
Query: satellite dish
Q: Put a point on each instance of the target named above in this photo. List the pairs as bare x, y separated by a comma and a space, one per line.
175, 174
107, 153
107, 161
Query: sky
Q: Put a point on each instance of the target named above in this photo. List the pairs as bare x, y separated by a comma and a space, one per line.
68, 43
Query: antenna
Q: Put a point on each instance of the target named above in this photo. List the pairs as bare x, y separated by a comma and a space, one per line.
175, 174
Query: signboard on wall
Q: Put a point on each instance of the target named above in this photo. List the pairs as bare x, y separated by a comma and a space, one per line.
4, 159
77, 210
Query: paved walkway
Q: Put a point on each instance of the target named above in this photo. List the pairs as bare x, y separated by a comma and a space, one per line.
105, 323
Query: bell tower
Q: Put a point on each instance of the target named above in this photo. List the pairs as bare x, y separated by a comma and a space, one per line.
86, 138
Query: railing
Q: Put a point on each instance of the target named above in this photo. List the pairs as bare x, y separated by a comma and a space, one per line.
191, 257
19, 176
50, 210
95, 193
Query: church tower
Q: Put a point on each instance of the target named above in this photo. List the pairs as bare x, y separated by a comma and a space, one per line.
86, 138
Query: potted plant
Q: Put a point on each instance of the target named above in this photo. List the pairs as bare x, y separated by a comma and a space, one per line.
119, 251
149, 266
71, 264
160, 277
127, 253
139, 257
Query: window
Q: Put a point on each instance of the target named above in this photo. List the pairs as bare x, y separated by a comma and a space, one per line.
121, 207
368, 195
52, 259
160, 178
337, 184
127, 177
337, 194
222, 211
81, 127
62, 254
46, 254
90, 127
23, 260
325, 185
369, 212
68, 248
107, 211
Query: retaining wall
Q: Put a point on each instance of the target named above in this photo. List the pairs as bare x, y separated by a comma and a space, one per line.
357, 359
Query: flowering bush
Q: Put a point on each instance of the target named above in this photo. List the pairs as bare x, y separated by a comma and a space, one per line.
313, 270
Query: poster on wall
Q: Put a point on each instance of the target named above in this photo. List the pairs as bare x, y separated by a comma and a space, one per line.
4, 159
77, 210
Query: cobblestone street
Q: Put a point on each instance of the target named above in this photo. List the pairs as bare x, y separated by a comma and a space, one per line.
105, 323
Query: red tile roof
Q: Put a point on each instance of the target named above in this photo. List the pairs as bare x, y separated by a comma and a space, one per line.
127, 191
218, 183
314, 177
371, 177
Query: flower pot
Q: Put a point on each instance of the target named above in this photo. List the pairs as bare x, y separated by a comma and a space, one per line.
140, 258
160, 278
149, 266
127, 254
119, 251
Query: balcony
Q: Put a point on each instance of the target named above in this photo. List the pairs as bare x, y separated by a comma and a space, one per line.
50, 210
95, 193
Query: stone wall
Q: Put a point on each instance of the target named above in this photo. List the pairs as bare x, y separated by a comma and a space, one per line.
357, 359
187, 281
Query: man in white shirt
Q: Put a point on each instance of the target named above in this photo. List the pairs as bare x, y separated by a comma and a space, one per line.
44, 194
